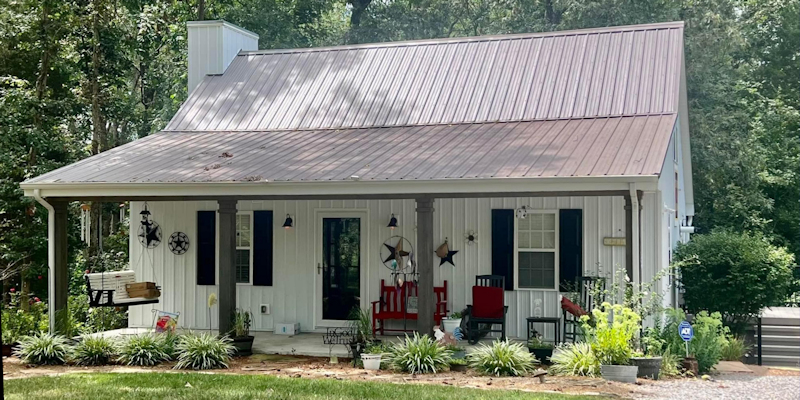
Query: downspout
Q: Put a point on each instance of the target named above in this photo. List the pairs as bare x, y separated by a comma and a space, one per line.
635, 234
51, 257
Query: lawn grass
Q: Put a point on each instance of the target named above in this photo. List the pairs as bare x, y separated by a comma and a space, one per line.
172, 386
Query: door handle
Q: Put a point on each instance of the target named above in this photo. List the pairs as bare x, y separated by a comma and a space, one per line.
319, 269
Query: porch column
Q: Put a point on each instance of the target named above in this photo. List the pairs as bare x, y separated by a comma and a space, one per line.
227, 269
425, 300
59, 273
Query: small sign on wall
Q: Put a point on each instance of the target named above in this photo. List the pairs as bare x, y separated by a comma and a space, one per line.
614, 241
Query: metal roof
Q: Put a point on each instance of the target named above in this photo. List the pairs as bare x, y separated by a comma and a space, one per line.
607, 146
615, 71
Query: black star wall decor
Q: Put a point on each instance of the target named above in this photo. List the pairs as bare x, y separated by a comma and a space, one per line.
178, 243
396, 252
445, 254
149, 230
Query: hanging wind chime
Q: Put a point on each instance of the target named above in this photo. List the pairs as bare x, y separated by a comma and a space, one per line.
86, 222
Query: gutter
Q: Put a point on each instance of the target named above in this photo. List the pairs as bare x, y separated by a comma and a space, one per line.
51, 256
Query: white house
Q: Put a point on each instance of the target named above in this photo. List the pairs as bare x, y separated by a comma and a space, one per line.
584, 133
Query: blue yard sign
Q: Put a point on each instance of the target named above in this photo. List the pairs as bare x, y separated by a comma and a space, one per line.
686, 332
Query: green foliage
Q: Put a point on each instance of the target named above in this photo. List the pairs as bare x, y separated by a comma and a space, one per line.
419, 355
734, 349
203, 351
43, 349
670, 364
95, 350
574, 359
459, 361
143, 350
17, 322
536, 342
736, 274
502, 358
376, 348
611, 336
241, 322
361, 322
710, 337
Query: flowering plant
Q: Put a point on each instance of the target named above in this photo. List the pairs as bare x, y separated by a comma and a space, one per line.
613, 333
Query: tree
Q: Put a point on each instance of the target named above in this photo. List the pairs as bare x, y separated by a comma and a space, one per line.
736, 274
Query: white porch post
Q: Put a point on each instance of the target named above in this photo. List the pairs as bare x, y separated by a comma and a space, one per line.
227, 269
425, 300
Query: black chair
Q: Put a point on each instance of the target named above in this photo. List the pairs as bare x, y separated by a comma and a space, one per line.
489, 308
587, 286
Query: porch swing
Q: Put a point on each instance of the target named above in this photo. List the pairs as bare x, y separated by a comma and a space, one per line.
110, 288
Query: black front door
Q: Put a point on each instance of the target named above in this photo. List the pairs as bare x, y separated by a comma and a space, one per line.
341, 267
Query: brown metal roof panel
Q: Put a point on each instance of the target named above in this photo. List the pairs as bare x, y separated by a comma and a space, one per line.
571, 138
619, 149
584, 144
557, 92
633, 160
536, 158
646, 85
242, 96
674, 66
591, 158
658, 149
495, 147
520, 82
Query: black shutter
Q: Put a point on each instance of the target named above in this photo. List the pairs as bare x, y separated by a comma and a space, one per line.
503, 245
570, 247
262, 248
206, 247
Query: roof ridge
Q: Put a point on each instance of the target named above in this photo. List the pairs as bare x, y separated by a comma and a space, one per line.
353, 128
468, 39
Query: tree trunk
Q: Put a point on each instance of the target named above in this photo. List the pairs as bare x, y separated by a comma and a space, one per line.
201, 10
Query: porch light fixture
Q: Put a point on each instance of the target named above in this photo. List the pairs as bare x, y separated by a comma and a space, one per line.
392, 222
288, 223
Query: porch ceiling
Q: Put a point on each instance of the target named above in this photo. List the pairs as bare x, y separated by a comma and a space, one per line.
499, 156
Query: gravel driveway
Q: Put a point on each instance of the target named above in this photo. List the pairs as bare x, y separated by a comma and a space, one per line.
728, 386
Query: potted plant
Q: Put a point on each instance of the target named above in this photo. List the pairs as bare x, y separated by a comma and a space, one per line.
649, 361
458, 351
459, 364
611, 339
241, 339
371, 357
361, 325
541, 350
451, 323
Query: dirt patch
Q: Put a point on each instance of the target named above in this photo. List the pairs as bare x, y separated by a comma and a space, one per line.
320, 368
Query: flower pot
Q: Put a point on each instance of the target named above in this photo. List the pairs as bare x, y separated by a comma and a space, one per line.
450, 325
690, 365
8, 349
243, 345
619, 373
648, 366
542, 354
458, 367
371, 361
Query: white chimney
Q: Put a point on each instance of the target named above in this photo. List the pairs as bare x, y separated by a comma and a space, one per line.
212, 47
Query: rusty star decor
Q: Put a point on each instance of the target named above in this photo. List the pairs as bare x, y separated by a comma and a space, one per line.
445, 254
396, 252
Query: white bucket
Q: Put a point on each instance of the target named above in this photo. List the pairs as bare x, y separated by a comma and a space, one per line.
371, 361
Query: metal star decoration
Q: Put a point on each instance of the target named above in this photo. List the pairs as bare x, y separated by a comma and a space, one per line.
445, 254
395, 252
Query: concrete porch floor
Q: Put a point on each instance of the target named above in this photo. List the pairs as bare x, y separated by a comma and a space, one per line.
302, 344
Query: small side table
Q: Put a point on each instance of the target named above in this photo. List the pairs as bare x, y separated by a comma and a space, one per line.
546, 320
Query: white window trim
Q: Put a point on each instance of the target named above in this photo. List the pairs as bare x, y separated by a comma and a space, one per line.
554, 250
250, 279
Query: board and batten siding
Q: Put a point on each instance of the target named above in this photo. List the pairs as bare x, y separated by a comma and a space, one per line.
292, 295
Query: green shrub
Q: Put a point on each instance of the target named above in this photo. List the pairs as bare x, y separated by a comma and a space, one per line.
736, 274
17, 322
203, 351
143, 350
574, 359
670, 364
169, 342
419, 355
43, 349
734, 349
612, 334
95, 350
502, 358
458, 361
708, 341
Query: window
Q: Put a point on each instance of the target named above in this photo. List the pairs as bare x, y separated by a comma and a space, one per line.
243, 248
536, 251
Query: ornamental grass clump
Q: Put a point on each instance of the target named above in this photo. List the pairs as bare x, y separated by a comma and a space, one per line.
95, 351
419, 355
203, 351
143, 350
43, 349
574, 359
503, 358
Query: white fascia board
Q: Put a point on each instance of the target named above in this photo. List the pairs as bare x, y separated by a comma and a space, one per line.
329, 188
